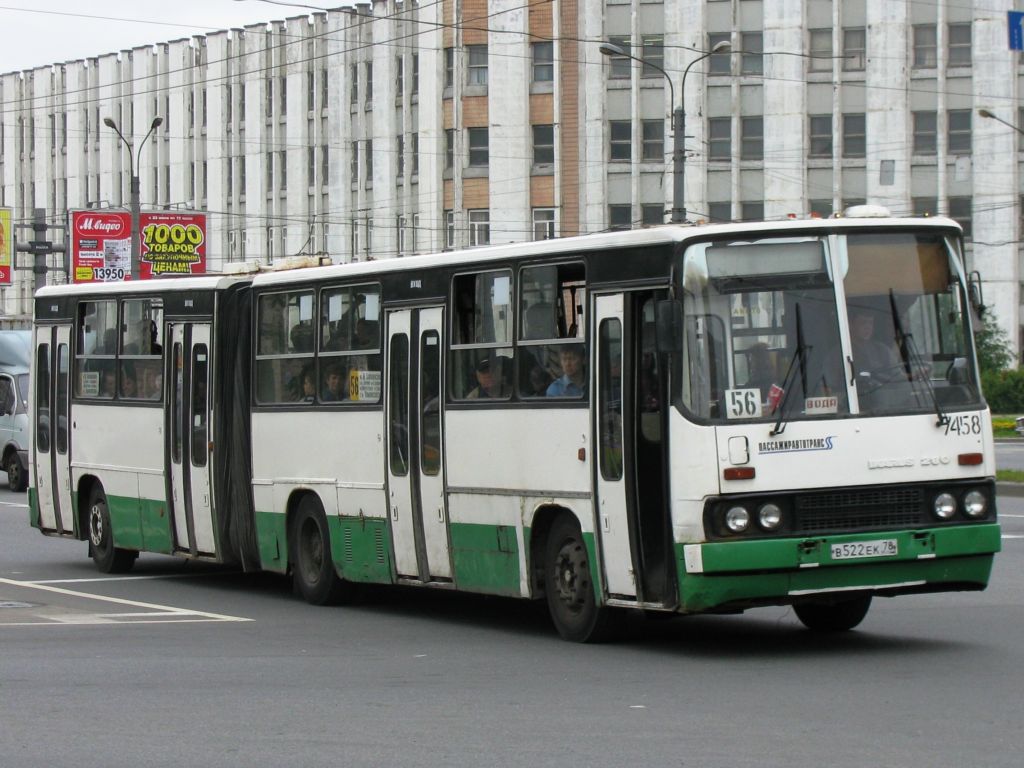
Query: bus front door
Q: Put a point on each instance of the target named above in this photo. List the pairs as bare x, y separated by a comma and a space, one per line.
416, 499
631, 479
188, 444
52, 434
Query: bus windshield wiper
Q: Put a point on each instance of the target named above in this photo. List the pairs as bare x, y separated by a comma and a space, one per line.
799, 358
913, 363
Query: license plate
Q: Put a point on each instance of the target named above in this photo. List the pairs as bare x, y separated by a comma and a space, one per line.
853, 550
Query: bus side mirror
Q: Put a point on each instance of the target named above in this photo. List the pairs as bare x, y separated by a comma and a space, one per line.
974, 293
668, 320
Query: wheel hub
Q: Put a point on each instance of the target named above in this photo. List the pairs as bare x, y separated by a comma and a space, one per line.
95, 526
572, 581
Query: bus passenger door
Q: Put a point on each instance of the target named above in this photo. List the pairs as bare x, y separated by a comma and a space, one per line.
416, 501
187, 446
612, 492
51, 437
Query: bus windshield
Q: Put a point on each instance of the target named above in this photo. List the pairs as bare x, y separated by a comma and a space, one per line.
764, 334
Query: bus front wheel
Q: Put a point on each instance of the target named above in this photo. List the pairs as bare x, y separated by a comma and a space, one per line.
569, 585
833, 617
312, 566
108, 558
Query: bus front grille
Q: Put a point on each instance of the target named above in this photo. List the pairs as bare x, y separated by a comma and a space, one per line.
859, 509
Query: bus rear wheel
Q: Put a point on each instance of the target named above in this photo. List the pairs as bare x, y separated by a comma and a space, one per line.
17, 478
108, 558
312, 565
569, 586
833, 617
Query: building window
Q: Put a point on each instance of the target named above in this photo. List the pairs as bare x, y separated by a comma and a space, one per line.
543, 144
751, 60
324, 164
719, 63
820, 50
415, 74
959, 45
960, 212
270, 172
652, 214
476, 71
653, 47
399, 76
752, 138
719, 212
854, 135
820, 136
620, 216
353, 90
369, 83
449, 229
925, 46
820, 209
479, 227
449, 148
925, 206
543, 62
353, 166
543, 223
400, 156
268, 104
283, 170
619, 65
368, 161
415, 151
752, 211
720, 138
854, 49
958, 136
449, 67
653, 147
924, 133
478, 150
621, 140
283, 93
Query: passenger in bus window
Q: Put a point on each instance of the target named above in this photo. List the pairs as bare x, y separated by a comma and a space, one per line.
129, 386
334, 384
108, 383
490, 380
869, 354
308, 386
573, 381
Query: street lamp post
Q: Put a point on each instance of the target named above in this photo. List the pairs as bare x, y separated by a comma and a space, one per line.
136, 269
678, 121
986, 113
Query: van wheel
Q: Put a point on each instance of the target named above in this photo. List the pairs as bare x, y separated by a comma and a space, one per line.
312, 565
569, 586
833, 617
108, 558
17, 477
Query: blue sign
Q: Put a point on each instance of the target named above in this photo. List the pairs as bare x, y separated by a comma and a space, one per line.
1014, 21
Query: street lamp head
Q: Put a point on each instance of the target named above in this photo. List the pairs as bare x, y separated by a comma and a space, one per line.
157, 122
722, 46
109, 123
985, 113
610, 49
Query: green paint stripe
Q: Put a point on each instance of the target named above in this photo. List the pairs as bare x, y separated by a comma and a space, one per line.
360, 549
485, 558
790, 553
272, 540
33, 508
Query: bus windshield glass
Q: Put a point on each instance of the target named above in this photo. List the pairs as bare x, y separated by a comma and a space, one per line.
764, 319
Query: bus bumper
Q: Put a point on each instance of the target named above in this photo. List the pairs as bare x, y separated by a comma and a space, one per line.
734, 575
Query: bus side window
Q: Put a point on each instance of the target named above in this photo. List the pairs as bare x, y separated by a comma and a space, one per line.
551, 302
481, 356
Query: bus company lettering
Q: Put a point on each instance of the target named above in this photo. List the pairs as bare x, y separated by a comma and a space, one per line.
795, 446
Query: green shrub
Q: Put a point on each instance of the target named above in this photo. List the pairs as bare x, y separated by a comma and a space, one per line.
1004, 390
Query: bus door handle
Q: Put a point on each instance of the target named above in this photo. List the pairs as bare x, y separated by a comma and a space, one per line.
394, 512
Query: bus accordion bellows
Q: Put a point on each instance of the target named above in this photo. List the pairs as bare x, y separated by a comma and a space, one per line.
676, 419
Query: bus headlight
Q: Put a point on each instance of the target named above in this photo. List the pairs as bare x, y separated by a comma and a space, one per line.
737, 519
769, 516
975, 504
944, 506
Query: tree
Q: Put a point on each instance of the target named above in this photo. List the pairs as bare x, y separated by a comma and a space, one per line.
993, 346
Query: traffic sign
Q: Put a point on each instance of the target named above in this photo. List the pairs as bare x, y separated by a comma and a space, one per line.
1014, 22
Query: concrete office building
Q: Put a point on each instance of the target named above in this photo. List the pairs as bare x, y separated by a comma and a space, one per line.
403, 127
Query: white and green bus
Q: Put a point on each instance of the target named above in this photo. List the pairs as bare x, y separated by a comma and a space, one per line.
677, 419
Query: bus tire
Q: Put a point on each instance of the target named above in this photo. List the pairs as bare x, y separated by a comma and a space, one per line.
833, 617
312, 565
569, 586
17, 477
108, 558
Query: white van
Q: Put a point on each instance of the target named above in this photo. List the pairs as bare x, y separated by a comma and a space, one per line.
15, 353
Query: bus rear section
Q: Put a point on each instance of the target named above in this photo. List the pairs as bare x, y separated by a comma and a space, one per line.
829, 438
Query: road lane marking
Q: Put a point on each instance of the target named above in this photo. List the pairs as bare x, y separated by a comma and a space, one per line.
171, 612
134, 578
13, 504
1013, 536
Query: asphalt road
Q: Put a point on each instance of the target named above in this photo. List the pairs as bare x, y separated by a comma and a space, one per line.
1010, 454
189, 665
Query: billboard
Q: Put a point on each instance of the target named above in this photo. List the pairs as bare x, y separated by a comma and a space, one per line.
6, 247
173, 243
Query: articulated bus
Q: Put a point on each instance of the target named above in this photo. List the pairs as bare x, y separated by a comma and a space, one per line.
677, 419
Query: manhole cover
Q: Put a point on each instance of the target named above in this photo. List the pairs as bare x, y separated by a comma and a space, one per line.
16, 604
